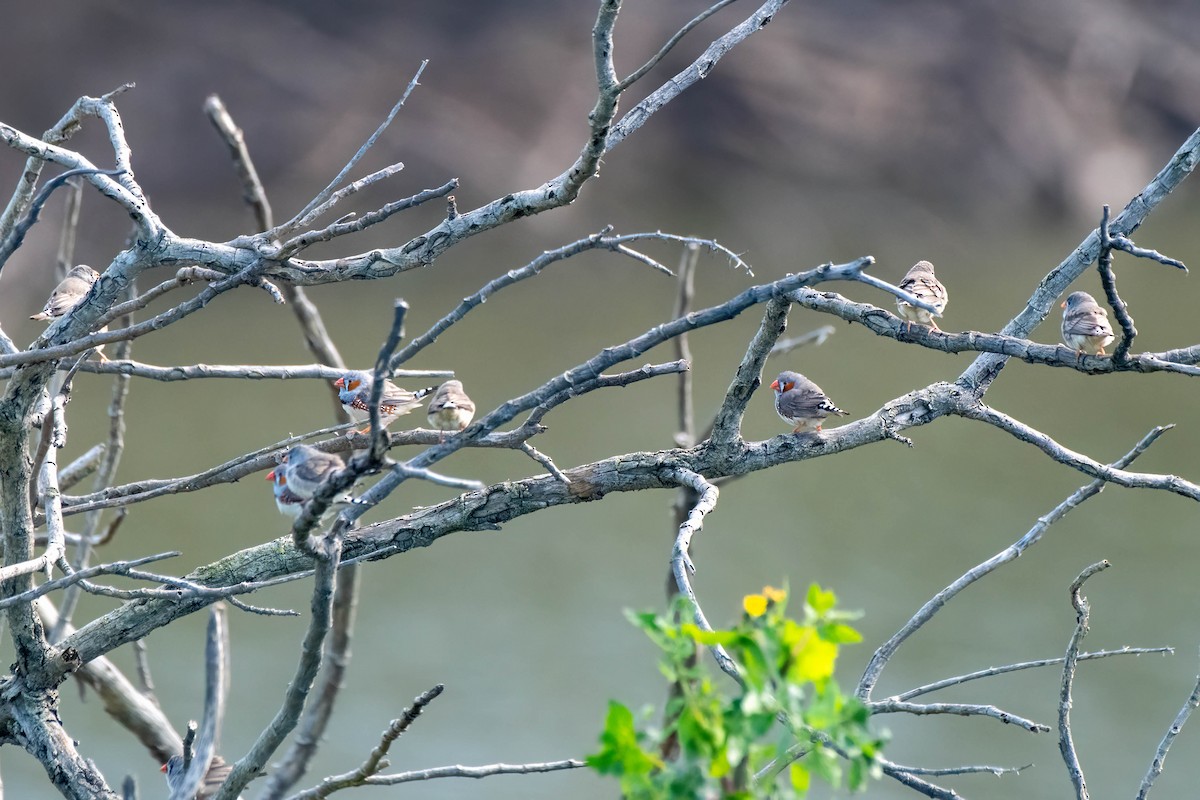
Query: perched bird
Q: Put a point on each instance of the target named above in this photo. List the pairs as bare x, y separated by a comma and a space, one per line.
1085, 326
218, 771
450, 409
801, 402
921, 282
291, 504
354, 390
305, 468
67, 295
69, 292
288, 502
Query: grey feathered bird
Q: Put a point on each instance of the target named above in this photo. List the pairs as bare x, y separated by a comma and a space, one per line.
305, 468
69, 292
291, 504
1085, 327
450, 409
921, 282
354, 390
801, 402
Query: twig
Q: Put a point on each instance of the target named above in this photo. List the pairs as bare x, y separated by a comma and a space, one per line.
686, 436
230, 133
458, 771
439, 479
142, 664
958, 709
377, 760
14, 240
680, 82
361, 223
728, 422
215, 688
963, 770
1160, 755
70, 228
306, 215
43, 151
307, 666
1078, 461
1066, 744
637, 74
115, 568
991, 672
815, 337
81, 467
545, 461
292, 767
189, 741
252, 372
602, 240
885, 651
681, 563
1109, 281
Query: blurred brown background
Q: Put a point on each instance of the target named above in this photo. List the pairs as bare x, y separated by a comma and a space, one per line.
983, 137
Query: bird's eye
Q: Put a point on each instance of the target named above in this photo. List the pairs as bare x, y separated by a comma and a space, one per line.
353, 385
787, 387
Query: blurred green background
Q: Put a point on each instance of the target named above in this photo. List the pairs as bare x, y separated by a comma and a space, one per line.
983, 137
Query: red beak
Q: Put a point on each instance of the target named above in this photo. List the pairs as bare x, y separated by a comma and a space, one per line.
775, 385
270, 477
163, 768
340, 382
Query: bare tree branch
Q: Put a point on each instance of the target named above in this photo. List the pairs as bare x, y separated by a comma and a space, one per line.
1066, 743
1160, 755
959, 709
880, 659
377, 760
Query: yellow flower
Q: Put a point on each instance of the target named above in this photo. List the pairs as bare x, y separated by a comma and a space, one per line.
774, 595
755, 604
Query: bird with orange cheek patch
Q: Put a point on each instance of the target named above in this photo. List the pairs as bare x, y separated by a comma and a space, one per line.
801, 402
354, 390
290, 502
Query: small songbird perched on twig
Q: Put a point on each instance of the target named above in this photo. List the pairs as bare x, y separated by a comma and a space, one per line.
450, 409
920, 281
801, 402
354, 390
69, 292
1085, 327
305, 468
291, 504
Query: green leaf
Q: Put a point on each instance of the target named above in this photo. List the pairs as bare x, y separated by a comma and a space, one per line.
840, 633
708, 638
620, 753
800, 776
819, 600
